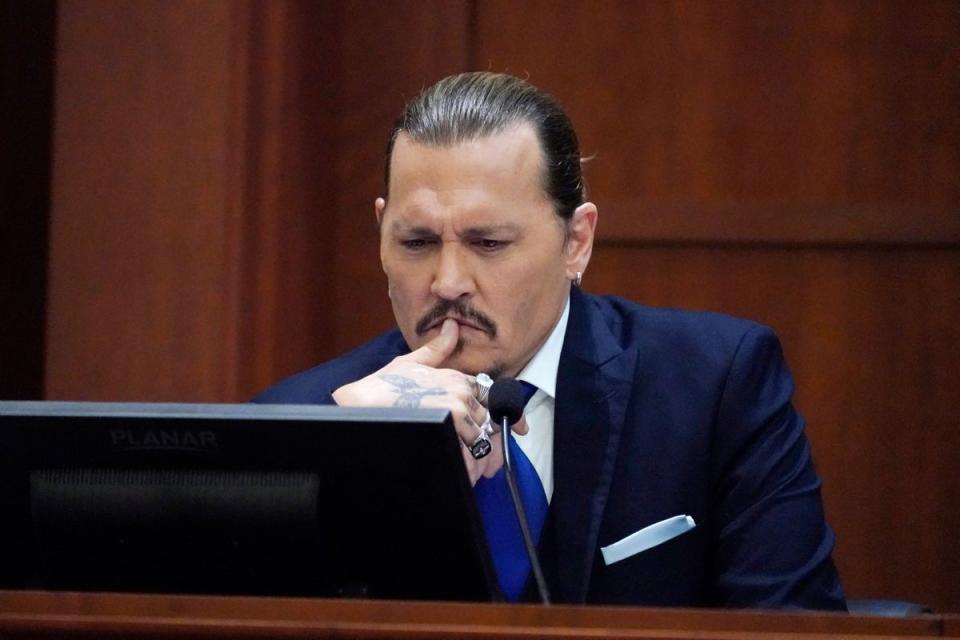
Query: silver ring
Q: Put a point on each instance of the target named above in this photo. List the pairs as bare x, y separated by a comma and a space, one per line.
483, 382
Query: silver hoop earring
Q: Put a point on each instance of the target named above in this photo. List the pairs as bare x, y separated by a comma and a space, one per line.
577, 279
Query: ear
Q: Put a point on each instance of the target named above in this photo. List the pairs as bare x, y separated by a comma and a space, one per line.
579, 244
379, 206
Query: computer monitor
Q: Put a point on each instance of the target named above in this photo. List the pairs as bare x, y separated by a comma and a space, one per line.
238, 499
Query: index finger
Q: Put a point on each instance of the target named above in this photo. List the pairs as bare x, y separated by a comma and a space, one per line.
440, 348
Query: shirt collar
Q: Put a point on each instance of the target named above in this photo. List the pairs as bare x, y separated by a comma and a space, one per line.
541, 371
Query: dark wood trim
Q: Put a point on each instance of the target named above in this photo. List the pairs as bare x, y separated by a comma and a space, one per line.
51, 614
27, 42
643, 221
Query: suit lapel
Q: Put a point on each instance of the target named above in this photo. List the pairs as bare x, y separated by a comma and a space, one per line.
593, 388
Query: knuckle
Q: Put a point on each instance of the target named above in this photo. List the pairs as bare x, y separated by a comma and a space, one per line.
460, 415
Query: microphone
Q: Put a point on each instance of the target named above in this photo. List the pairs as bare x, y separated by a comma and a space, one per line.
506, 402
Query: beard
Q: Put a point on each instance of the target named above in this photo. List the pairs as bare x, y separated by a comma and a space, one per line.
495, 369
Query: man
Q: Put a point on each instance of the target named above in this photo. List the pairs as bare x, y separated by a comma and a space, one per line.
639, 415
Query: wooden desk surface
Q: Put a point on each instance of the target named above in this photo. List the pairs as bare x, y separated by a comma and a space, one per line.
37, 614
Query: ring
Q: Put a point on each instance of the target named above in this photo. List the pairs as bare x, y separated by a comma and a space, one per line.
482, 382
481, 446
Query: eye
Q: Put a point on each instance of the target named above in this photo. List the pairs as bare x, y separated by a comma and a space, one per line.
416, 244
490, 245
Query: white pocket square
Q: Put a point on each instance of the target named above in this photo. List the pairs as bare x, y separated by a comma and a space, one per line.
657, 533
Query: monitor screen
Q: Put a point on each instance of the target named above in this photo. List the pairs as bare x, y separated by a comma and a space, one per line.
238, 499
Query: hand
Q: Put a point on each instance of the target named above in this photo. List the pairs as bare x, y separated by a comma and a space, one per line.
414, 380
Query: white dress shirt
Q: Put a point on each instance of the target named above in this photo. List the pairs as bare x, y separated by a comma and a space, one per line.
541, 372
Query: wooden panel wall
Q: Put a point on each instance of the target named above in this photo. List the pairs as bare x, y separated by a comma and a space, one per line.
797, 163
203, 245
147, 160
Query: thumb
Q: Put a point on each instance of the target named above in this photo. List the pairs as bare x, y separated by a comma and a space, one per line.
439, 349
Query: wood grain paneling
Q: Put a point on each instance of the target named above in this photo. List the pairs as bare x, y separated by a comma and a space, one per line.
139, 280
824, 102
645, 221
281, 246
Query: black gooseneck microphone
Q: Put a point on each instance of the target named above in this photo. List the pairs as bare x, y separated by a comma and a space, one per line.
506, 404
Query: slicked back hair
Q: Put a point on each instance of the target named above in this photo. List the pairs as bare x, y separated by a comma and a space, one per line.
476, 105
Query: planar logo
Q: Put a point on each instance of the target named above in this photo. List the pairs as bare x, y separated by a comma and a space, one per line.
165, 440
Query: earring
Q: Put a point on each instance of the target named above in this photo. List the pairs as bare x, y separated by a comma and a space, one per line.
577, 279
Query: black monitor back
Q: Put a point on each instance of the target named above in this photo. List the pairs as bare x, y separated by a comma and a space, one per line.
238, 499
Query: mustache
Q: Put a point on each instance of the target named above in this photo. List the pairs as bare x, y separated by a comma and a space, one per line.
456, 309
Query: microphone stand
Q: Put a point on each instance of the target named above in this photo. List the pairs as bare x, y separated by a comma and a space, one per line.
522, 516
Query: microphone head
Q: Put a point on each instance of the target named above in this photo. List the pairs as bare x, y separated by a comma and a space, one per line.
506, 401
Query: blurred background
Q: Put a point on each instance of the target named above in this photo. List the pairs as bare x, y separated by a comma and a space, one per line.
187, 204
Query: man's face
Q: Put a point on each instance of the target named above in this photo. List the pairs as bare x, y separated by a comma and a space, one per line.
470, 234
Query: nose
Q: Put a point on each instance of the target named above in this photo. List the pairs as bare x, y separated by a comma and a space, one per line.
453, 277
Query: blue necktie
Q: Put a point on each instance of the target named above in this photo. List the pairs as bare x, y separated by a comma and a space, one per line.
500, 520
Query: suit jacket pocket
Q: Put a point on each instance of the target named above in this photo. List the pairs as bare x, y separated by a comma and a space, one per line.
672, 573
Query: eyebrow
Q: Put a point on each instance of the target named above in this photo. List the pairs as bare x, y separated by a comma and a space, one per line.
401, 229
472, 232
493, 229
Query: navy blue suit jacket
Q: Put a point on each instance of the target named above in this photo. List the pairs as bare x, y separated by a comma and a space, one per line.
661, 413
